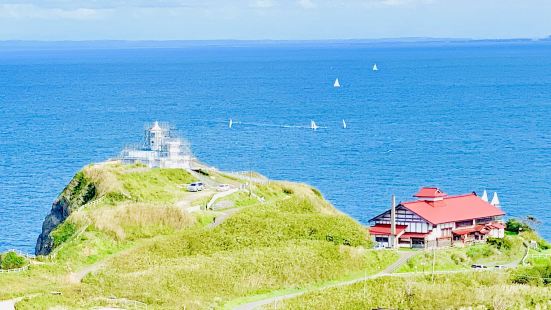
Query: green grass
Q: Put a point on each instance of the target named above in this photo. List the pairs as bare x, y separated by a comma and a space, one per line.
462, 258
158, 254
475, 290
155, 185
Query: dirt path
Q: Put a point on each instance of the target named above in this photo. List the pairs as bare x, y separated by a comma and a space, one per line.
76, 277
404, 256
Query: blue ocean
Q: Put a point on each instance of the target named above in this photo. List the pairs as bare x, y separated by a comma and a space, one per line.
463, 117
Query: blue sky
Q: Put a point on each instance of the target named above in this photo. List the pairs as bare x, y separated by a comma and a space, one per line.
271, 19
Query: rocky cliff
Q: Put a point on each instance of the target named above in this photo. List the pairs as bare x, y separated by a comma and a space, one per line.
78, 192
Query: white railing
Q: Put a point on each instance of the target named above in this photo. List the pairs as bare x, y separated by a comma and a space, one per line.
15, 269
220, 195
26, 255
92, 203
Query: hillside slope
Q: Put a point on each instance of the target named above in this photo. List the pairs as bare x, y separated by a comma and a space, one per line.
130, 234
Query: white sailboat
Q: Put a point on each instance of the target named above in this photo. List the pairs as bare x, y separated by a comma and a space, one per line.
375, 67
337, 84
230, 123
343, 124
313, 125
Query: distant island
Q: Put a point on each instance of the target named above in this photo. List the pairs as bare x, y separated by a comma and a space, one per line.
142, 235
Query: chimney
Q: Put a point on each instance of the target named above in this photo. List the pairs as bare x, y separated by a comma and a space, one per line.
393, 222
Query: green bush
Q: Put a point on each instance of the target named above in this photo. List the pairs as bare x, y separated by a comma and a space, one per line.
535, 275
479, 251
63, 232
288, 191
459, 258
544, 245
11, 260
500, 243
316, 192
514, 225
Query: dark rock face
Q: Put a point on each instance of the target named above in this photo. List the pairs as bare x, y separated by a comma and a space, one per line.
60, 211
79, 192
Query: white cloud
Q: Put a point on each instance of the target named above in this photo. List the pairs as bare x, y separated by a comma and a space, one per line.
30, 11
263, 4
307, 4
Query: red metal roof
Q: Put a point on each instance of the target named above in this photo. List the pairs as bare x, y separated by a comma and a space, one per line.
481, 228
430, 192
453, 209
497, 225
413, 235
384, 229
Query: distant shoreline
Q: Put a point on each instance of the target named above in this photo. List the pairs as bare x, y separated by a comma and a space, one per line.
8, 45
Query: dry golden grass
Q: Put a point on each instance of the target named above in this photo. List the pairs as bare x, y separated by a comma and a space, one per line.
104, 178
140, 220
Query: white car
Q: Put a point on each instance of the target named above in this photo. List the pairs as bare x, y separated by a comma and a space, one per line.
195, 187
223, 187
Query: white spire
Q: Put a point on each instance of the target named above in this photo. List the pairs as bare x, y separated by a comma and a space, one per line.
495, 200
484, 196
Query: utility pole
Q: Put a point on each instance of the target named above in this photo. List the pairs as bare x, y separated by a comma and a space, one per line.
433, 262
393, 222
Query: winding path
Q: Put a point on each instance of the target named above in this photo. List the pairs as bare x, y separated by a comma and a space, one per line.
404, 256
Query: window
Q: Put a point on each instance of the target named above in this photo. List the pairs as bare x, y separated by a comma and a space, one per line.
446, 232
463, 224
381, 239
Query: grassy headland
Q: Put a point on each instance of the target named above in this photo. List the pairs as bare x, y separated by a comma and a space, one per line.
133, 241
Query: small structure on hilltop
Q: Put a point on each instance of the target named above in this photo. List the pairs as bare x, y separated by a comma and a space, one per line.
161, 148
437, 219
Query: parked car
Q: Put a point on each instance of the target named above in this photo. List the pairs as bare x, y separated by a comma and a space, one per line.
223, 187
499, 267
195, 187
476, 266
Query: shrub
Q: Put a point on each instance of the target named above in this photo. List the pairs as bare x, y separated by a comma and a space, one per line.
316, 192
515, 226
544, 245
288, 191
11, 260
535, 275
500, 243
459, 258
63, 232
478, 251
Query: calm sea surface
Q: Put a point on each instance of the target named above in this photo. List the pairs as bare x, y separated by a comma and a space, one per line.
464, 118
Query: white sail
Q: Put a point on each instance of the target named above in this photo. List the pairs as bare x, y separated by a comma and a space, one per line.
343, 124
313, 125
484, 196
375, 67
337, 84
230, 123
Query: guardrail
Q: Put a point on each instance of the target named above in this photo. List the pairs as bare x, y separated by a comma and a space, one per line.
26, 255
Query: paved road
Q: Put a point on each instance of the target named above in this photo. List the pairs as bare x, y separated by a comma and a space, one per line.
404, 256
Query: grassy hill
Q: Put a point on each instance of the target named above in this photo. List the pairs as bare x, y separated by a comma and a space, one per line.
135, 241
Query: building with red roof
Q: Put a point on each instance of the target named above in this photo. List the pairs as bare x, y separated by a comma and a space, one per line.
438, 219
